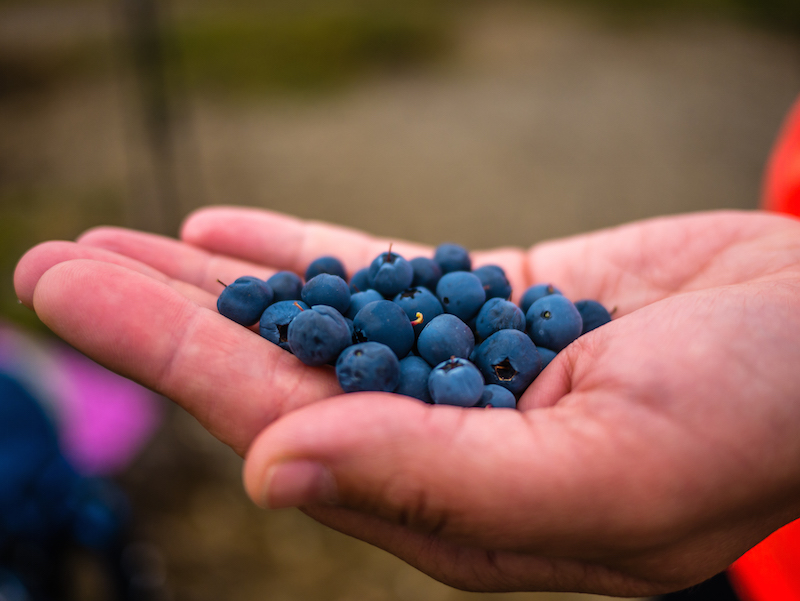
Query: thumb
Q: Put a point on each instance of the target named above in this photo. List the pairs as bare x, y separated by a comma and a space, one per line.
498, 478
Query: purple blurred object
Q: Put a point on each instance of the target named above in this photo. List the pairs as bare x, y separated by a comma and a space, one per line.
103, 419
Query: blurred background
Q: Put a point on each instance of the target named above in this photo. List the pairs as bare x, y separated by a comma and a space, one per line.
484, 123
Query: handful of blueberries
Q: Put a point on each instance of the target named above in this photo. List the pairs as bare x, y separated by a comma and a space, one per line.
432, 329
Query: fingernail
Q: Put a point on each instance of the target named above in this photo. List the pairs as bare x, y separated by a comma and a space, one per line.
298, 483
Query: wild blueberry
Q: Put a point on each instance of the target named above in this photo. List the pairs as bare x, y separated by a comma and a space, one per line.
461, 293
360, 281
534, 293
318, 335
498, 314
494, 281
426, 272
244, 300
593, 314
452, 257
390, 274
327, 289
509, 359
553, 322
274, 323
329, 265
368, 366
286, 285
456, 382
359, 300
386, 322
419, 300
445, 336
414, 373
546, 355
498, 397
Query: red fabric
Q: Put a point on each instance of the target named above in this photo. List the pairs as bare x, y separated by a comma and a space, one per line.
770, 571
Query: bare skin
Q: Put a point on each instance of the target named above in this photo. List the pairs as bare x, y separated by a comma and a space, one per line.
647, 457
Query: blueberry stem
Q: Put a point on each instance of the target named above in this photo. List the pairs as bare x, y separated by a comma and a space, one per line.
418, 320
223, 283
299, 307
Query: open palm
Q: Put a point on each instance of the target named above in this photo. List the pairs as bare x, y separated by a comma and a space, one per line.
648, 456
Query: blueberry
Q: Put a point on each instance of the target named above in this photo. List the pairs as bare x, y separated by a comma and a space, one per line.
360, 281
426, 272
359, 300
414, 373
452, 257
461, 293
445, 336
274, 323
456, 382
553, 322
286, 285
419, 300
546, 355
318, 335
390, 274
244, 300
534, 293
509, 359
329, 265
498, 314
498, 397
327, 289
494, 281
593, 314
386, 322
368, 366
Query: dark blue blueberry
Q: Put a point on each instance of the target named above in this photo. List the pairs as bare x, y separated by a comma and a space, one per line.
509, 359
390, 274
274, 323
386, 322
593, 314
419, 300
445, 336
368, 366
360, 281
456, 382
414, 372
461, 294
546, 355
327, 289
498, 314
452, 257
534, 293
553, 322
318, 335
329, 265
286, 285
426, 273
494, 281
244, 300
359, 300
498, 397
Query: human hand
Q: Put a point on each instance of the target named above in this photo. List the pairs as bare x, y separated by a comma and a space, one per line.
647, 457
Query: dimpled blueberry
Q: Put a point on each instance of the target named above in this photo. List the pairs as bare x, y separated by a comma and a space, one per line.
274, 323
456, 382
360, 281
426, 272
329, 265
286, 285
593, 314
419, 300
244, 300
498, 314
361, 299
461, 293
414, 373
368, 366
327, 289
452, 257
553, 322
390, 274
494, 281
386, 322
546, 355
498, 397
318, 335
534, 293
509, 359
445, 336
